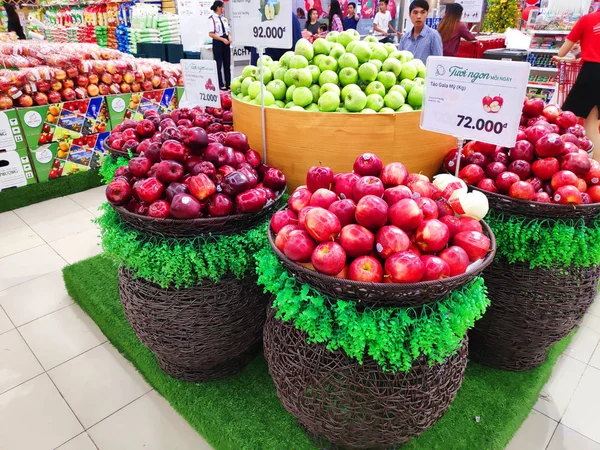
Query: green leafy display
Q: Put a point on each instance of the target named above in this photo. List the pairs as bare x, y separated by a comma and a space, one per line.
546, 242
179, 263
108, 167
393, 337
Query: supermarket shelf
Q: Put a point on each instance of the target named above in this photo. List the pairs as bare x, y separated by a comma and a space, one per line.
553, 51
542, 86
544, 69
551, 33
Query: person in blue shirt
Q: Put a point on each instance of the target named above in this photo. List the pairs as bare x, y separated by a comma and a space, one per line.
422, 41
351, 20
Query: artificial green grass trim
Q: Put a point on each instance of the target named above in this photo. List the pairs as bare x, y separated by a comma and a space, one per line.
243, 412
34, 193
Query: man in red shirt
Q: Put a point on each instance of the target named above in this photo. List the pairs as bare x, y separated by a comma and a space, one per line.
584, 98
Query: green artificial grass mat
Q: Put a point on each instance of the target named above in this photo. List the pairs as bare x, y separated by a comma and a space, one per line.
243, 412
34, 193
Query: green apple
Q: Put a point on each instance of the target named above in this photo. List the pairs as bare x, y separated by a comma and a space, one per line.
391, 48
348, 76
388, 79
420, 81
328, 76
362, 51
298, 62
368, 111
375, 87
379, 52
274, 66
405, 108
337, 50
345, 37
386, 110
355, 100
268, 96
399, 88
367, 72
267, 75
370, 39
296, 108
236, 85
405, 56
322, 46
289, 94
330, 87
394, 100
246, 82
377, 64
348, 60
351, 46
304, 48
375, 102
328, 63
239, 96
420, 67
277, 88
313, 107
302, 96
341, 109
254, 89
264, 59
250, 71
301, 77
350, 87
409, 71
290, 76
315, 89
392, 65
274, 105
315, 72
247, 99
407, 85
280, 73
415, 97
285, 59
329, 101
332, 36
280, 103
317, 59
288, 105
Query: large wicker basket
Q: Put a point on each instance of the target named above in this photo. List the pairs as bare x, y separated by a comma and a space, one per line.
113, 151
352, 405
206, 332
384, 294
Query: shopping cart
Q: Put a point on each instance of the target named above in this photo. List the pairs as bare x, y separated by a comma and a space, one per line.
475, 49
568, 70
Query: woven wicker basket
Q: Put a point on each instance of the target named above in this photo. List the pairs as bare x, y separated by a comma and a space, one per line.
531, 310
114, 152
384, 294
206, 332
352, 405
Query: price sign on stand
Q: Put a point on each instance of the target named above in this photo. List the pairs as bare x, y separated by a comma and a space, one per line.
262, 23
474, 98
201, 83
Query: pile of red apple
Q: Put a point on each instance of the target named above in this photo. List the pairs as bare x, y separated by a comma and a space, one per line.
549, 162
185, 172
378, 224
223, 113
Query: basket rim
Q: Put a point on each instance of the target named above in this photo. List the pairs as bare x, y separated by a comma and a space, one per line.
468, 275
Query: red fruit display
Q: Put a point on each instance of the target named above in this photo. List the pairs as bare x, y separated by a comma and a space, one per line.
567, 195
471, 174
329, 258
522, 150
549, 145
319, 177
456, 258
367, 164
356, 240
371, 212
184, 206
118, 192
299, 246
345, 211
299, 199
366, 269
389, 240
394, 174
160, 209
396, 193
404, 267
474, 243
343, 184
432, 236
522, 190
323, 198
545, 168
322, 225
148, 190
405, 214
435, 268
368, 185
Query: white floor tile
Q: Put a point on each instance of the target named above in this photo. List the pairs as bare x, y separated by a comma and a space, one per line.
566, 439
149, 423
595, 307
63, 226
17, 363
9, 220
35, 417
49, 209
595, 360
27, 265
62, 335
35, 298
555, 396
534, 434
18, 239
98, 383
583, 413
90, 199
583, 344
5, 323
591, 321
81, 442
78, 247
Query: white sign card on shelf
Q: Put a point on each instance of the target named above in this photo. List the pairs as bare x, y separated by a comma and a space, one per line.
201, 83
193, 22
472, 10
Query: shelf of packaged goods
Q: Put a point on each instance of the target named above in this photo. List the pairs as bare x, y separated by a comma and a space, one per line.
553, 51
544, 69
541, 86
550, 32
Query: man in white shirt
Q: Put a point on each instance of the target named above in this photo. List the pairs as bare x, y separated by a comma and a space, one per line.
383, 23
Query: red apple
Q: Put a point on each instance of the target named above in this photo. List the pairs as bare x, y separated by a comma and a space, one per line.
274, 179
551, 113
443, 207
329, 258
139, 166
422, 188
148, 190
536, 183
201, 186
393, 194
593, 176
521, 167
471, 174
566, 119
184, 206
238, 141
252, 200
568, 195
545, 168
594, 193
299, 246
533, 107
394, 174
453, 223
476, 244
585, 198
356, 240
367, 164
323, 198
549, 145
457, 259
536, 132
478, 158
299, 199
344, 210
175, 188
371, 212
368, 185
501, 157
505, 181
435, 268
404, 267
253, 158
282, 218
522, 150
343, 184
493, 169
302, 216
432, 236
563, 178
322, 225
389, 240
581, 185
206, 168
173, 150
234, 183
366, 269
118, 192
522, 190
405, 214
283, 235
470, 224
429, 208
577, 163
487, 184
160, 209
541, 197
319, 177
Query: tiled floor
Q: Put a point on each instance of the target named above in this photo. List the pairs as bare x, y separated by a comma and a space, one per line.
63, 386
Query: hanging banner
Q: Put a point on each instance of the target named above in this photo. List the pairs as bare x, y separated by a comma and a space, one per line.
474, 98
262, 23
201, 82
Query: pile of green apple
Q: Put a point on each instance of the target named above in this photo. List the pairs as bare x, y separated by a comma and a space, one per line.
338, 74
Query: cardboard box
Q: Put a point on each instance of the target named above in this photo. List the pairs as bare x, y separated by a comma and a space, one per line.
15, 169
134, 105
11, 135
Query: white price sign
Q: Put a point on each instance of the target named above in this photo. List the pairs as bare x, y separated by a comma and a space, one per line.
201, 82
262, 23
474, 98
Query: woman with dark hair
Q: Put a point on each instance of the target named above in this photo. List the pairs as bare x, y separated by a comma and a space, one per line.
14, 24
452, 29
219, 31
312, 24
335, 16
